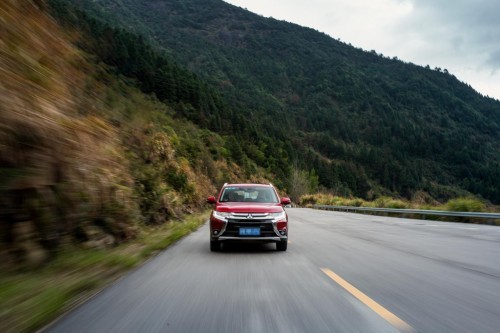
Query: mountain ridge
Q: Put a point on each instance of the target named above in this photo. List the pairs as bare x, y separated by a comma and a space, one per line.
396, 127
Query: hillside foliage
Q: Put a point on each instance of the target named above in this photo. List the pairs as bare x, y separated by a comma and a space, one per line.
85, 156
367, 124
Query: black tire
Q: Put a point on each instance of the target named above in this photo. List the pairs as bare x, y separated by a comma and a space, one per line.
215, 246
281, 246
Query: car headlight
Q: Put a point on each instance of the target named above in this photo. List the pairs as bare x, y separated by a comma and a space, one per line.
221, 215
278, 216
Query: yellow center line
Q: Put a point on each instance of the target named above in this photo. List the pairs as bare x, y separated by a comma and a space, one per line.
379, 309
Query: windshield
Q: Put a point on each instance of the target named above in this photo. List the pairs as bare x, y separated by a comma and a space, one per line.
249, 194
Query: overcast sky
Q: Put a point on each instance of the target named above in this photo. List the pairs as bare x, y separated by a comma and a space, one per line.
462, 36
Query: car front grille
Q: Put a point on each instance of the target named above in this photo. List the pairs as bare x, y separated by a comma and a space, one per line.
233, 228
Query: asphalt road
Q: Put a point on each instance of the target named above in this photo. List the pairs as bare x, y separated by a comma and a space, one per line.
342, 273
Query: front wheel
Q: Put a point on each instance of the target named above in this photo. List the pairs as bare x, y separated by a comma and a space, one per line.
281, 246
214, 246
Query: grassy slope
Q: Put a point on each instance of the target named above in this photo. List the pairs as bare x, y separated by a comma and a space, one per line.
82, 148
32, 298
421, 201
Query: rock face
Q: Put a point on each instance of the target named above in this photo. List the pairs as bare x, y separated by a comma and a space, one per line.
26, 245
97, 238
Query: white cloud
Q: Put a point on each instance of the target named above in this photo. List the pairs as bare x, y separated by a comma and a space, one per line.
461, 36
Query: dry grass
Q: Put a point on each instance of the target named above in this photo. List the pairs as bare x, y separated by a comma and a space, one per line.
31, 299
468, 204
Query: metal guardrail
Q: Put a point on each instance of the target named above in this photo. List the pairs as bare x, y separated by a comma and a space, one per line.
492, 216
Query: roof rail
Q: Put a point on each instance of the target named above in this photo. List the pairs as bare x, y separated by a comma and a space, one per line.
225, 184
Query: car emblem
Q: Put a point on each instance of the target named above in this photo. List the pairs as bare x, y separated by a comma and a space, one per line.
249, 216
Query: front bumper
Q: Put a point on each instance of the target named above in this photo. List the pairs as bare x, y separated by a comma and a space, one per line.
268, 230
251, 239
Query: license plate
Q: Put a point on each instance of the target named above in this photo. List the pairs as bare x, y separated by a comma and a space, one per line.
249, 231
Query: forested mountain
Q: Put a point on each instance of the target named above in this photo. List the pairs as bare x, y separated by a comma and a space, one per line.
284, 94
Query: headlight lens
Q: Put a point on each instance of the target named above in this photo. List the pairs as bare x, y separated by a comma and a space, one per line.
221, 215
278, 216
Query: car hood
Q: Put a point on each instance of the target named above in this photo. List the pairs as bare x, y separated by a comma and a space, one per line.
245, 207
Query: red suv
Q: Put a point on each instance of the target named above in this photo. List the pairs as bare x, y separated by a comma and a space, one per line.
248, 212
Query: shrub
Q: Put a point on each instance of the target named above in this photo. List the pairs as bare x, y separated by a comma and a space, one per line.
308, 199
387, 202
465, 205
355, 202
382, 202
398, 204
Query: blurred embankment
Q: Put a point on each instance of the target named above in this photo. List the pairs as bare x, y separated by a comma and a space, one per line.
61, 170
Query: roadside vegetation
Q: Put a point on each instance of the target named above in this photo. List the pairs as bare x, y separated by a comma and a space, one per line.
422, 201
86, 157
465, 204
32, 297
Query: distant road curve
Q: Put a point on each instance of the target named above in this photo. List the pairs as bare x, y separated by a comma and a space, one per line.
342, 272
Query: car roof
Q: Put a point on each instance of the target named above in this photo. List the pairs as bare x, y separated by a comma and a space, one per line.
248, 184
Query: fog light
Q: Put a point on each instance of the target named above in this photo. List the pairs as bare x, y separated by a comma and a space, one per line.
216, 232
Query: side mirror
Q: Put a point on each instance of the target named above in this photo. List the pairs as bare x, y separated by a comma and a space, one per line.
285, 201
211, 200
